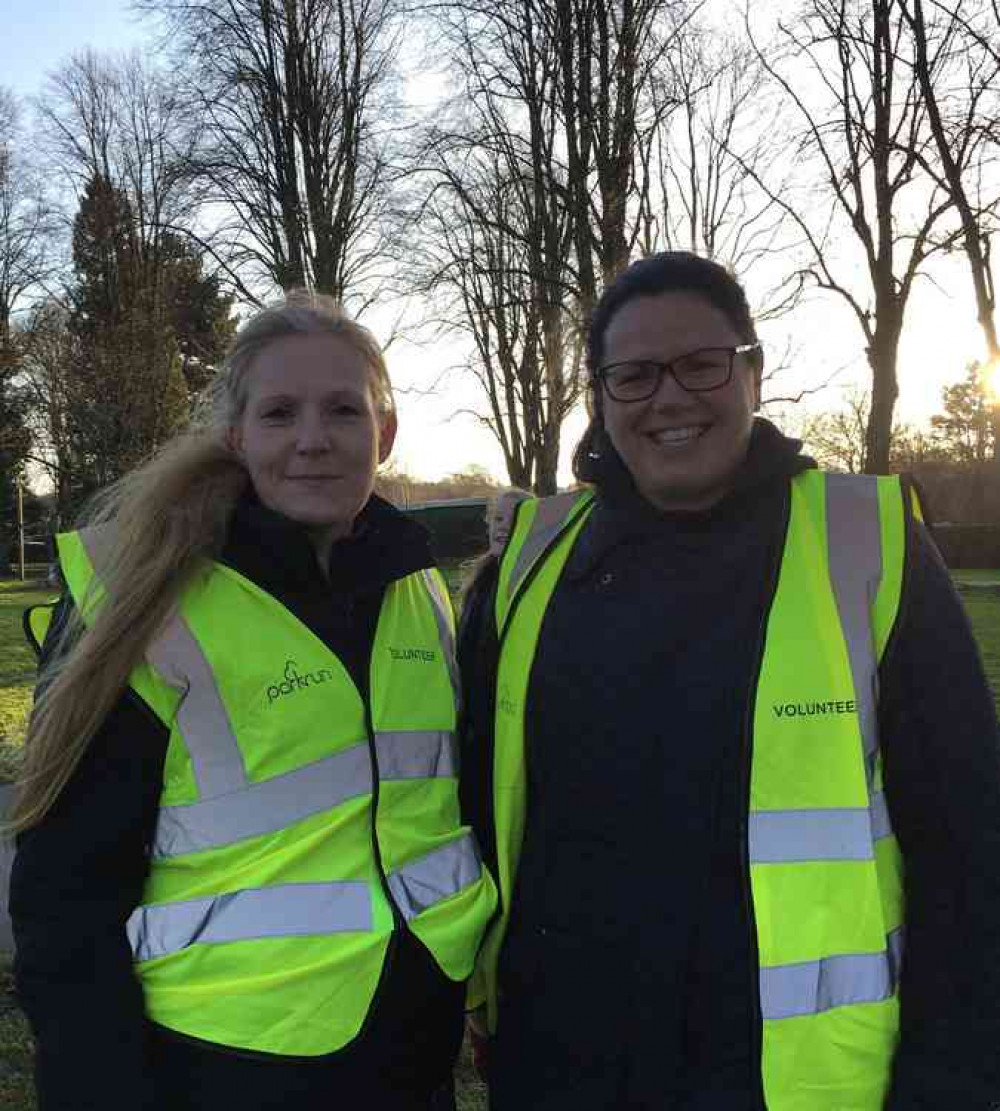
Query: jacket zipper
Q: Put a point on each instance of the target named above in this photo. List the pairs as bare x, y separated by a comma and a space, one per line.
756, 1016
398, 922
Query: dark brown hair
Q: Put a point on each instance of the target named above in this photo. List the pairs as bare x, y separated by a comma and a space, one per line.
666, 272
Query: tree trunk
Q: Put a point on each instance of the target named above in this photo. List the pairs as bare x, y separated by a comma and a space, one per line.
882, 356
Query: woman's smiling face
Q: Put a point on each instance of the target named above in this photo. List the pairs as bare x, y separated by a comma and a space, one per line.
682, 449
311, 435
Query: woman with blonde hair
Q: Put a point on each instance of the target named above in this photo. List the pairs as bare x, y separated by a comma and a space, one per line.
241, 874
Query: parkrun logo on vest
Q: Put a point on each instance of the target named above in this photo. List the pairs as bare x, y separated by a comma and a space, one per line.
293, 681
813, 709
423, 655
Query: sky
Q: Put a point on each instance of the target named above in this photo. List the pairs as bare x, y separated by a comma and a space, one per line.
940, 338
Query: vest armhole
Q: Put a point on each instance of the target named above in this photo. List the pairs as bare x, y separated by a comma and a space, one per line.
911, 504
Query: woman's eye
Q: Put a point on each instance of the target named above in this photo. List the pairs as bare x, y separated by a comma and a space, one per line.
278, 413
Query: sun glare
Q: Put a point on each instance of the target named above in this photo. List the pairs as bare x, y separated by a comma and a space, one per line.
992, 379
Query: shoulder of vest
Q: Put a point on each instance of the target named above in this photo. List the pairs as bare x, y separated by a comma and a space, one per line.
537, 527
35, 622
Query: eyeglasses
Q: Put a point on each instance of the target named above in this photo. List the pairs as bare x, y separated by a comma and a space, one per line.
710, 368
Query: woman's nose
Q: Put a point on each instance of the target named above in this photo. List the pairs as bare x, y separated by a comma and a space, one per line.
313, 434
668, 390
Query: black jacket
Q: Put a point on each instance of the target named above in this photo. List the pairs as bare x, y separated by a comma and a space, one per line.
78, 875
629, 973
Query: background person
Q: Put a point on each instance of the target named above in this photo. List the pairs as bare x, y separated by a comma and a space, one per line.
241, 879
741, 783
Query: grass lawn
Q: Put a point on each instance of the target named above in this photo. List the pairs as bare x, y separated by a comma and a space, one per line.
17, 665
983, 608
16, 1090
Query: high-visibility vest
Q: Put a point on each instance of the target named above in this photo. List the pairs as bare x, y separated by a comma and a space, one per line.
825, 868
300, 825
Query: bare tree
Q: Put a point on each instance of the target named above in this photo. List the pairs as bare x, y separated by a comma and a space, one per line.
552, 99
51, 391
837, 438
295, 99
962, 110
696, 196
26, 227
609, 54
498, 232
482, 267
861, 141
120, 121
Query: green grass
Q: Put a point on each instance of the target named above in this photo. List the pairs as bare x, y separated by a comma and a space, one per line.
976, 576
17, 667
16, 1090
983, 608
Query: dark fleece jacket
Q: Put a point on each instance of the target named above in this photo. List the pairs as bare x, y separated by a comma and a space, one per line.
80, 873
629, 972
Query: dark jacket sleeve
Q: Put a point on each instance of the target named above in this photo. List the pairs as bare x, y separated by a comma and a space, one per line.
942, 769
76, 877
477, 658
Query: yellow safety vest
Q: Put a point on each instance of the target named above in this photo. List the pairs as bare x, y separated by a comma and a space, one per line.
300, 826
825, 868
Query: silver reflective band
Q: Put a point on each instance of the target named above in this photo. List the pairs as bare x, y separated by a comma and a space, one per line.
798, 836
99, 543
179, 660
812, 987
276, 804
201, 716
881, 824
550, 517
416, 755
436, 876
791, 836
286, 910
854, 542
265, 807
443, 617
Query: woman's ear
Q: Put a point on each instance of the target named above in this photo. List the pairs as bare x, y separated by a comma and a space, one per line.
386, 435
234, 439
758, 378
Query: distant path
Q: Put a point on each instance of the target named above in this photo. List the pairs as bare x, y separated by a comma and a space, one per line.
6, 852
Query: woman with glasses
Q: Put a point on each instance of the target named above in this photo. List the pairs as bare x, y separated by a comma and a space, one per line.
738, 770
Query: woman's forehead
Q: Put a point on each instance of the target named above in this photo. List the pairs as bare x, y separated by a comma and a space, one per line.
668, 324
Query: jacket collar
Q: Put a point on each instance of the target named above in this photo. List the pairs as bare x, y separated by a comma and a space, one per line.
621, 514
277, 554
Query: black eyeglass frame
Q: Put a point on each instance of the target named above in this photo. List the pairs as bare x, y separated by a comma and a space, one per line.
600, 375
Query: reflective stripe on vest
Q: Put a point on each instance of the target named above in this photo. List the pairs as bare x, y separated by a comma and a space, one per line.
796, 836
426, 881
814, 987
279, 802
444, 617
834, 851
299, 909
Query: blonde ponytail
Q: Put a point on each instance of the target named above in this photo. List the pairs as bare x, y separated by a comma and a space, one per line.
163, 521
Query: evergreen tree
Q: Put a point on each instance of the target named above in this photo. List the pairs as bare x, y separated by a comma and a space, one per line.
965, 428
148, 328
